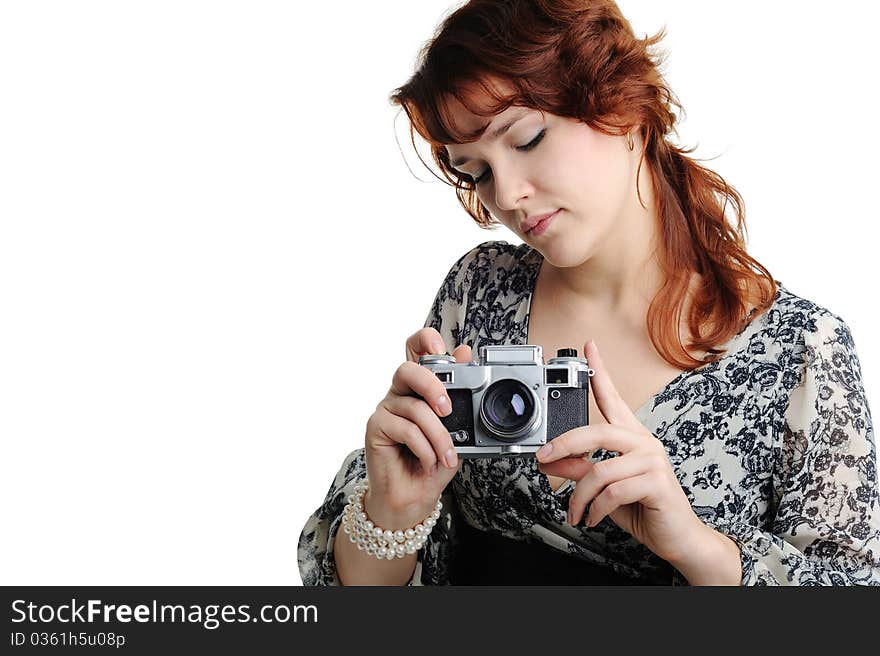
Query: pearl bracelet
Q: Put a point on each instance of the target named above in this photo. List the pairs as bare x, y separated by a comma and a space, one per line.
380, 542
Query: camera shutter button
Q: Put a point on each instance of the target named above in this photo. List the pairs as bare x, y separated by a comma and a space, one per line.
567, 353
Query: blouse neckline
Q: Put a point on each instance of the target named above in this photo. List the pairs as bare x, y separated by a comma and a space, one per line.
534, 259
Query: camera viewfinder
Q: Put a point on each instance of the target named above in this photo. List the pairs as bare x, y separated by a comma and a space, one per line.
557, 376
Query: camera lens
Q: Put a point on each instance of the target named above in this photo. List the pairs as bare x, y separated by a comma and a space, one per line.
507, 408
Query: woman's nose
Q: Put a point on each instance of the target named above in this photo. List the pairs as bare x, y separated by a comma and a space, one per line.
510, 188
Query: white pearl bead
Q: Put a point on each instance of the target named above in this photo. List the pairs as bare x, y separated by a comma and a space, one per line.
399, 536
381, 551
400, 550
411, 549
439, 505
430, 522
369, 525
362, 516
360, 546
390, 554
377, 532
346, 529
389, 536
409, 533
435, 514
419, 529
408, 544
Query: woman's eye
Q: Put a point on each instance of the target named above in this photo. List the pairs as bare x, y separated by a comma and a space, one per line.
482, 178
529, 146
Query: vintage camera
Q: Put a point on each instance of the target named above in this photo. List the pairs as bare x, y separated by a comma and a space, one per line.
508, 403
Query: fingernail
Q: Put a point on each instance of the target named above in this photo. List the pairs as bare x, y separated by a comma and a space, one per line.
439, 349
451, 458
443, 405
545, 450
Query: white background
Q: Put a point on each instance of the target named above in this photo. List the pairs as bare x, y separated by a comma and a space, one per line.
212, 250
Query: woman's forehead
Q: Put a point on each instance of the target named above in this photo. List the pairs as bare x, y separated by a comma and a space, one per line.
480, 106
464, 121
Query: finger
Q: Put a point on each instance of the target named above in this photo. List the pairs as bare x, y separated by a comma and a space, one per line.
421, 414
571, 468
586, 439
394, 430
426, 341
603, 474
629, 490
413, 379
608, 399
463, 353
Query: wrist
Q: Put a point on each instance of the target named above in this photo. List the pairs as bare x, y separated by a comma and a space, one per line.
714, 559
382, 514
383, 542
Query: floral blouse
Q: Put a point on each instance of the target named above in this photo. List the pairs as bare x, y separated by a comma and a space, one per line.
772, 444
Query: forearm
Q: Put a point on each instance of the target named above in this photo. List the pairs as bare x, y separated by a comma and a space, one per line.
713, 560
355, 567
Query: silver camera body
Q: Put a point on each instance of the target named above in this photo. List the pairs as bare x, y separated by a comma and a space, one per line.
508, 403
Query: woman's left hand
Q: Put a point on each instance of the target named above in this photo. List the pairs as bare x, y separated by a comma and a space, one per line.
638, 489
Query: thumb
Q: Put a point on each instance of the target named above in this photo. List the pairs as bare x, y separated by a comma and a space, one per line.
463, 353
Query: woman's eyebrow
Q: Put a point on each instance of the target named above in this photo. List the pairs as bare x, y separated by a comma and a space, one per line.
496, 134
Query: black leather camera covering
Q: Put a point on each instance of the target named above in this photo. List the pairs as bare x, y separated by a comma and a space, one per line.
462, 415
568, 411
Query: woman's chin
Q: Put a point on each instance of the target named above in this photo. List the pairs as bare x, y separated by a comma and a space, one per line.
564, 253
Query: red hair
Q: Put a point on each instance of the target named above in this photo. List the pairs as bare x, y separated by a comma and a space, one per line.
580, 59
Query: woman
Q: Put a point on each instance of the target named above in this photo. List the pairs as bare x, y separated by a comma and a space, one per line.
730, 441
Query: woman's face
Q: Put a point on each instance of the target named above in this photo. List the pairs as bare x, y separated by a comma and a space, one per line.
544, 164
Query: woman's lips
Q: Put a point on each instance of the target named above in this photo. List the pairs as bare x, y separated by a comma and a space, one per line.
541, 228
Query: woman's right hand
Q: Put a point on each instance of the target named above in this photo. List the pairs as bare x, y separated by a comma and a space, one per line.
409, 454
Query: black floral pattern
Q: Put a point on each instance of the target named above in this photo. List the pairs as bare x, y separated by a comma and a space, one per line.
772, 443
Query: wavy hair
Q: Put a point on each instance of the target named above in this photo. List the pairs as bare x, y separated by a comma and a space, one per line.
580, 59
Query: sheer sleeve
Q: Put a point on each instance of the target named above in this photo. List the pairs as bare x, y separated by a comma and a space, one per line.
315, 549
826, 528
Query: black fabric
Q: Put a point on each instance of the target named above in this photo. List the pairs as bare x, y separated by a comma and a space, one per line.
483, 558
